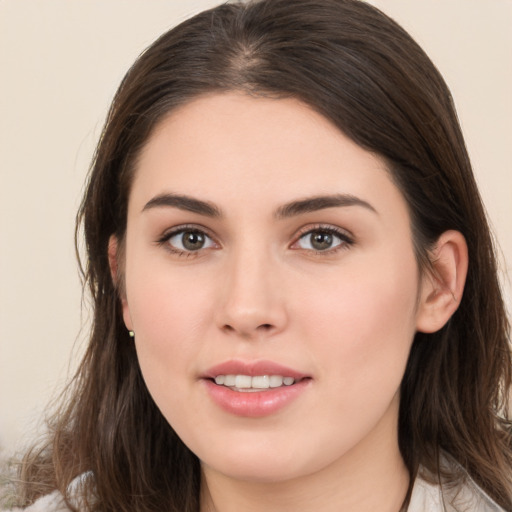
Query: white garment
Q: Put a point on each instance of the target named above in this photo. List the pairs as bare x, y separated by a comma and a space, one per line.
51, 503
426, 497
54, 502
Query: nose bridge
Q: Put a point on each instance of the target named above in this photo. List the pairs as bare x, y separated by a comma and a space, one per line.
252, 301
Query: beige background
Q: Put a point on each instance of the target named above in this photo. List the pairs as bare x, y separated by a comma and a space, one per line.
60, 63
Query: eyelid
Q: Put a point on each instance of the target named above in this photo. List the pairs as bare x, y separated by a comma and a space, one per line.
346, 237
176, 230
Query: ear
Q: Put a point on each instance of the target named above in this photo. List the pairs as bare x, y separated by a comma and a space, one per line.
442, 286
115, 271
113, 245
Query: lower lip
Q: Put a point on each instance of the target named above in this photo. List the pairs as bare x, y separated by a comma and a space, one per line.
255, 404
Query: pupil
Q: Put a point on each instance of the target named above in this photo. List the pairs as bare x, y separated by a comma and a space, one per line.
321, 241
193, 241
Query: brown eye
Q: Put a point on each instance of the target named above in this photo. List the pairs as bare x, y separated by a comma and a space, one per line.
322, 240
190, 241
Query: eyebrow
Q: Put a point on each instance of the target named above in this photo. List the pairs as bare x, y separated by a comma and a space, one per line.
292, 209
182, 202
316, 203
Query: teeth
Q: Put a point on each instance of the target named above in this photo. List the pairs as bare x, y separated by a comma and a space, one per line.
246, 382
260, 382
276, 381
243, 382
229, 380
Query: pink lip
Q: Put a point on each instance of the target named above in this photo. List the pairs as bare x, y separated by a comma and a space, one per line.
254, 404
252, 368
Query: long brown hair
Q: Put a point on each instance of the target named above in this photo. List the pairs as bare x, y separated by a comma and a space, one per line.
358, 68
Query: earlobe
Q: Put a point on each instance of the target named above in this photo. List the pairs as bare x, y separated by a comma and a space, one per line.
443, 285
113, 261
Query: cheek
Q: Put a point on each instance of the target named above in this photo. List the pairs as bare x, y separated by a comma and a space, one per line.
169, 313
166, 304
365, 321
360, 331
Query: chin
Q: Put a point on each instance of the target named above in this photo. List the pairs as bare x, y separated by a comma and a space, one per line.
264, 462
262, 471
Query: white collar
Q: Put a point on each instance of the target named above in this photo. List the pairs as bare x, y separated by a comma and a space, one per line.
439, 497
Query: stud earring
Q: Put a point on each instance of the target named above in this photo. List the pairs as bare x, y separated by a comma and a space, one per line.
132, 334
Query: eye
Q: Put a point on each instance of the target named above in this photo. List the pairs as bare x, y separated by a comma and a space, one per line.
188, 240
323, 240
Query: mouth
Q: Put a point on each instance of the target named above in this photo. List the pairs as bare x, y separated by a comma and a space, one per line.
254, 389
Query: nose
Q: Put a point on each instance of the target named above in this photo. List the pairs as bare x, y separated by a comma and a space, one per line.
252, 301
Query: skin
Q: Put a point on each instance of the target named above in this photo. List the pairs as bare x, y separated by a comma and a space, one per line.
345, 316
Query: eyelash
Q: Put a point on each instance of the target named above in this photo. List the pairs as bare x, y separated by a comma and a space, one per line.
187, 228
346, 240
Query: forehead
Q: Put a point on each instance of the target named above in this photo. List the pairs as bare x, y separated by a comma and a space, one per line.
233, 146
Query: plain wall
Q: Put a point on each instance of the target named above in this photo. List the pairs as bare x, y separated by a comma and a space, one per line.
60, 63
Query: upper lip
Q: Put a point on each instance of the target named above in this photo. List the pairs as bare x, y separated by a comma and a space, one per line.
252, 368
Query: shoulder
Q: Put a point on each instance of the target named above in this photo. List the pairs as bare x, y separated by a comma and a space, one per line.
426, 497
53, 502
466, 496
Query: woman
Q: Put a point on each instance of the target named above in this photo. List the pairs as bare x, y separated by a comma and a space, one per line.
296, 301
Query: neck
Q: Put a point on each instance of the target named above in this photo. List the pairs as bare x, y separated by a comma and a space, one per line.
372, 476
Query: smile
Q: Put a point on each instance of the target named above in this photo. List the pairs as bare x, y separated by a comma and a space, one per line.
254, 389
247, 383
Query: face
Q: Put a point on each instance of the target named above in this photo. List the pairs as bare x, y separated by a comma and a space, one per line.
272, 286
